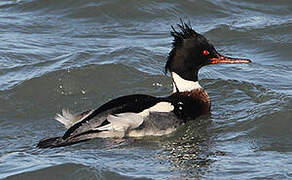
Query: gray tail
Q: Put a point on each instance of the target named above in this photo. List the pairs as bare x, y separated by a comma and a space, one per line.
50, 142
56, 142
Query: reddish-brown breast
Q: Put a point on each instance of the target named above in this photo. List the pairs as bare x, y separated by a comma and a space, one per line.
201, 96
190, 104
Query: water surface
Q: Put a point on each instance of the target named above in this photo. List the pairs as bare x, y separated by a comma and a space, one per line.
79, 54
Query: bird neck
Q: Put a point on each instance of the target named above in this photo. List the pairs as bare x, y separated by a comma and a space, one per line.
183, 85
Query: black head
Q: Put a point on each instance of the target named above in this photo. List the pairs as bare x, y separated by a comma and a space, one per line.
191, 51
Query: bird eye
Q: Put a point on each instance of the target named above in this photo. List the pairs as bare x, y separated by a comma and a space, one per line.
206, 52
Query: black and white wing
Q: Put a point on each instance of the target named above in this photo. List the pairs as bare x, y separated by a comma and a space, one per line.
115, 118
121, 113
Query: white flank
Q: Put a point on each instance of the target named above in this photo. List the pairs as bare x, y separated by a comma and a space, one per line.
182, 84
69, 119
125, 122
159, 107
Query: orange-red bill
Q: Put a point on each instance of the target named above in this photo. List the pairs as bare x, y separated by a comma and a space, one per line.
228, 60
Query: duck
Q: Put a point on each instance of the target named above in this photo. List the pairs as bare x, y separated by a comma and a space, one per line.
139, 115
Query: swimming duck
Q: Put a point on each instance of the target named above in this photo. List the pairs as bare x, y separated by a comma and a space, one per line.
144, 115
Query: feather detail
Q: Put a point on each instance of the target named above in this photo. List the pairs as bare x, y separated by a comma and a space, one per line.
68, 119
122, 122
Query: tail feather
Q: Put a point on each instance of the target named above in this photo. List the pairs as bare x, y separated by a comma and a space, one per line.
50, 142
69, 119
65, 118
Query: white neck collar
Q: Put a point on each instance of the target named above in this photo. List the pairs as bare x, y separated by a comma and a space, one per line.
183, 85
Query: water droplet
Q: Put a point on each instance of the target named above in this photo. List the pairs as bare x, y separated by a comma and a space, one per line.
157, 84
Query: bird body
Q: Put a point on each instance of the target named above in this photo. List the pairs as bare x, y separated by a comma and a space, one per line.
144, 115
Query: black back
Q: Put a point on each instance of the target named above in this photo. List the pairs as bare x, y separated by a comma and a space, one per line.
132, 103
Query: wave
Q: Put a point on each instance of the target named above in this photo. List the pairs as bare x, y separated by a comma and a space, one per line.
71, 171
79, 54
145, 10
78, 88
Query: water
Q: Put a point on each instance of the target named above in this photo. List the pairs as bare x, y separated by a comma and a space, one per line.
79, 54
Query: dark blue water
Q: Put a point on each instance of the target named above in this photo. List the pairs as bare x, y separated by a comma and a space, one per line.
79, 54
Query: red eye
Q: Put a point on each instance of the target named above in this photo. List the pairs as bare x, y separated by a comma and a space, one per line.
206, 52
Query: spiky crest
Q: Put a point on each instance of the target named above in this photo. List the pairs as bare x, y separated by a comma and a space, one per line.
185, 32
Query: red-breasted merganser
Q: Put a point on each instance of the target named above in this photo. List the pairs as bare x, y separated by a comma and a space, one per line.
145, 115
